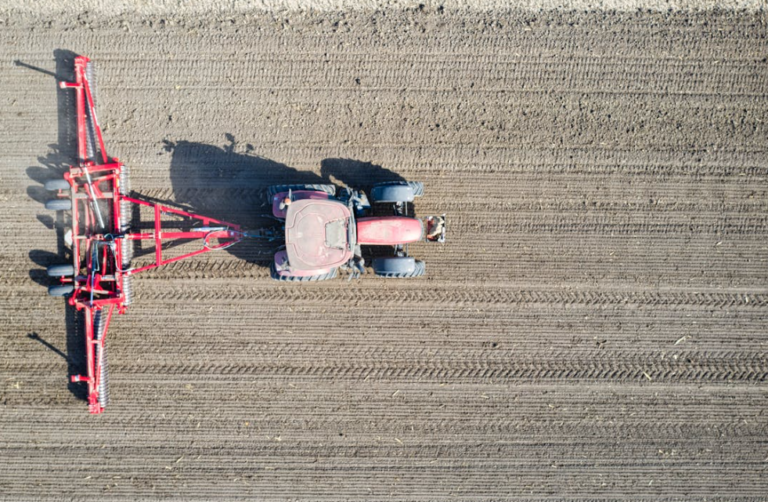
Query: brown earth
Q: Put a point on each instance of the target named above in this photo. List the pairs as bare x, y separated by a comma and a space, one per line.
595, 327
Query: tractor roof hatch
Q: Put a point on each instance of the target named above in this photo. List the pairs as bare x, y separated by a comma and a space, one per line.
313, 239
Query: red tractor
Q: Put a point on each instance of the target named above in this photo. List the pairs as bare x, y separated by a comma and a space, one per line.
324, 231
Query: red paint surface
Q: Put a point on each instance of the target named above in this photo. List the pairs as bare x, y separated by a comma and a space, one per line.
388, 230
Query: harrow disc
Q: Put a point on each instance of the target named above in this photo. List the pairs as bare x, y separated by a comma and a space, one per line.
127, 253
104, 381
125, 216
125, 180
90, 136
128, 290
125, 227
90, 75
99, 325
90, 126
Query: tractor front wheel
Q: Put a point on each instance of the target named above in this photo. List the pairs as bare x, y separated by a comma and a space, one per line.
397, 191
398, 267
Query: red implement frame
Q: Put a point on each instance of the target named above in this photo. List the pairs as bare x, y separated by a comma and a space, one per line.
102, 281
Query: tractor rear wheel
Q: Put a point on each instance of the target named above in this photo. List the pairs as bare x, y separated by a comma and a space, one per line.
311, 278
59, 204
63, 270
57, 184
276, 189
398, 267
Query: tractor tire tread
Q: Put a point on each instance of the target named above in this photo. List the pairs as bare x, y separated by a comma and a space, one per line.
416, 186
312, 278
419, 271
276, 189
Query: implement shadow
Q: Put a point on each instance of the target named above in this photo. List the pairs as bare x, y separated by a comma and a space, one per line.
221, 182
52, 166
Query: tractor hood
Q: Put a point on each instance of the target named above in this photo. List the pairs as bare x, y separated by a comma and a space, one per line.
388, 230
316, 234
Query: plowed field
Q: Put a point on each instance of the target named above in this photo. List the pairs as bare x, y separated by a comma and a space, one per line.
595, 327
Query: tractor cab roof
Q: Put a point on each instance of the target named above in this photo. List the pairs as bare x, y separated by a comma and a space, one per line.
317, 234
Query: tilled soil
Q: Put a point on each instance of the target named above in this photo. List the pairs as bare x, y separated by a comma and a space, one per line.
595, 327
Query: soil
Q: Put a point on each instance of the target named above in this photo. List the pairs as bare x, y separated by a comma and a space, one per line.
594, 328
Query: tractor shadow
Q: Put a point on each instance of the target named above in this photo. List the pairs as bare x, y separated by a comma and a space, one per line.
52, 166
230, 183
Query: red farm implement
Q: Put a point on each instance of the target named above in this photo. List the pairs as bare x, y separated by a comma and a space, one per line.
321, 231
96, 191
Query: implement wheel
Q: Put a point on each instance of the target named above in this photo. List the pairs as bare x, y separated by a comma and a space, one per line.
61, 289
57, 184
128, 290
60, 270
125, 180
59, 204
99, 325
